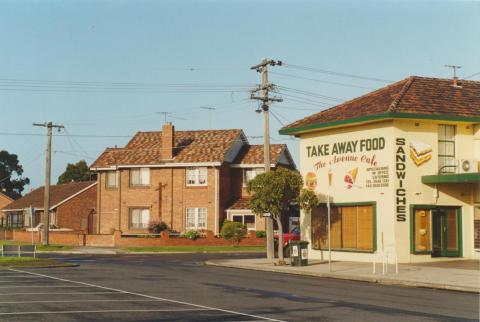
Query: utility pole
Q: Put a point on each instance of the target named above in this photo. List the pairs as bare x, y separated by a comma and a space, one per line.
48, 168
265, 101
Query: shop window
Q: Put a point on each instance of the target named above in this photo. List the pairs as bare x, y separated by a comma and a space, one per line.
247, 220
422, 230
197, 176
446, 148
140, 177
250, 174
139, 218
196, 219
112, 179
351, 227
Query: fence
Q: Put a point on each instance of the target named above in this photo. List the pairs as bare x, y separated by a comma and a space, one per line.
18, 250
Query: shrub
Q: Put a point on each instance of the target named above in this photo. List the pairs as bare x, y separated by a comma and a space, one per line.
233, 231
157, 227
192, 234
260, 234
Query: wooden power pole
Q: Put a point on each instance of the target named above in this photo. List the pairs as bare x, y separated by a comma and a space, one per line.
48, 168
265, 99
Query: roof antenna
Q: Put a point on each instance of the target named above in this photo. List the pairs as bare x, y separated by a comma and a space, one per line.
455, 78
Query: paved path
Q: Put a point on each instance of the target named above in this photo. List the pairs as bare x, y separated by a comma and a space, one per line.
441, 277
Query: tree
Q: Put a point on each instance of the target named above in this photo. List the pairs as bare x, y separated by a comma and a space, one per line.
233, 231
75, 173
11, 181
307, 200
272, 192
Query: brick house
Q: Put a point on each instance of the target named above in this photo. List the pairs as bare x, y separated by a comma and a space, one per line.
72, 207
188, 179
4, 201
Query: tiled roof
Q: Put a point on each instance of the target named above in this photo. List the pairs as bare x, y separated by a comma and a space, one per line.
58, 193
189, 147
240, 204
413, 95
253, 154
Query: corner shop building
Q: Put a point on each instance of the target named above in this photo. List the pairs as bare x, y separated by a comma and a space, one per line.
400, 167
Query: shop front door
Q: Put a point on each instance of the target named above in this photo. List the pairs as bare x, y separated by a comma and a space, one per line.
445, 232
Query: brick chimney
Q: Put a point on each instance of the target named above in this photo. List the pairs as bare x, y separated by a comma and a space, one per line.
168, 137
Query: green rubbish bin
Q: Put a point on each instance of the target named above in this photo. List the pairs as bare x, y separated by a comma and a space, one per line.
298, 253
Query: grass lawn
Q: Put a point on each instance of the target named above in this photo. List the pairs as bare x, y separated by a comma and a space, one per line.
39, 247
197, 249
12, 261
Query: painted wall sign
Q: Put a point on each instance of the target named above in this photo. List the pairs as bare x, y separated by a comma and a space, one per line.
350, 165
400, 191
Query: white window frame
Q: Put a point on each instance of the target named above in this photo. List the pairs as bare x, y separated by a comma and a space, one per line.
444, 141
243, 219
196, 213
144, 177
144, 213
254, 172
196, 176
107, 179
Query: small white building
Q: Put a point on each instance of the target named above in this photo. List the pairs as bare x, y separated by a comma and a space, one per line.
400, 167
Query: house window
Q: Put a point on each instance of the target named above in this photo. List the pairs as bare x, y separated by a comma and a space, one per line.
351, 228
15, 220
446, 148
197, 176
250, 174
112, 179
139, 218
247, 220
196, 219
140, 177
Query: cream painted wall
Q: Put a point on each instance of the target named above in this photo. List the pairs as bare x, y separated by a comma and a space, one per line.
394, 233
359, 160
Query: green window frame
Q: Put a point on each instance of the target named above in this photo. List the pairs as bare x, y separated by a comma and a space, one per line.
413, 227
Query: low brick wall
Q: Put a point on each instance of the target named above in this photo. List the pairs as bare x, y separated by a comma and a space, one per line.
26, 236
100, 240
6, 234
119, 240
67, 238
165, 240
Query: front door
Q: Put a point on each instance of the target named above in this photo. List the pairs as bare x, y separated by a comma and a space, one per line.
445, 232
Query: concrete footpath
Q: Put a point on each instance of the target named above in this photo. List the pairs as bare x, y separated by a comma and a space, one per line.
461, 277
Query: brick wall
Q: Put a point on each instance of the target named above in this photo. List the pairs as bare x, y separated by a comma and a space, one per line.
166, 197
100, 240
116, 239
74, 213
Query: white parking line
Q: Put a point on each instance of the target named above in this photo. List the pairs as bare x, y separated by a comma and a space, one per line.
151, 297
101, 311
16, 275
57, 293
45, 286
75, 301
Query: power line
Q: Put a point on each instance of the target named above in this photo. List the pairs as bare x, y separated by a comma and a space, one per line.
310, 94
306, 100
329, 72
473, 75
322, 81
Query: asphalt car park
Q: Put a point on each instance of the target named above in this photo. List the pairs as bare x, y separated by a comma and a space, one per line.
26, 296
180, 287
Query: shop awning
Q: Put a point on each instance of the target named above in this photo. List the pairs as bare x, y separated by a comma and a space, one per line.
452, 178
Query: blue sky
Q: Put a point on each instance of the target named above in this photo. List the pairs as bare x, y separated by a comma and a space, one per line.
204, 46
